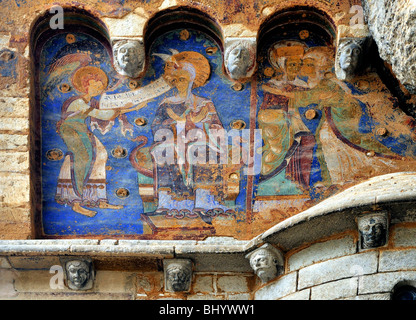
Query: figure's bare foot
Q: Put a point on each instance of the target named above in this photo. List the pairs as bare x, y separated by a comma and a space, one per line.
105, 205
77, 208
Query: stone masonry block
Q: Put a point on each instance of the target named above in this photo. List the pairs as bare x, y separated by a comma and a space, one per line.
15, 142
335, 290
345, 267
404, 237
232, 284
14, 161
34, 263
397, 260
14, 125
300, 295
11, 107
284, 286
4, 263
7, 280
322, 251
203, 283
383, 282
114, 282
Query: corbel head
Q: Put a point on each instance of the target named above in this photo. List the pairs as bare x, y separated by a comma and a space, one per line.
79, 273
240, 58
178, 274
129, 57
373, 230
267, 262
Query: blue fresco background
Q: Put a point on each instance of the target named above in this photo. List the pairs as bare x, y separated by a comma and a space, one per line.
60, 219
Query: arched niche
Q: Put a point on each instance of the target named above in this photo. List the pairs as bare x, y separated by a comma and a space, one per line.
56, 51
93, 170
297, 18
321, 135
181, 18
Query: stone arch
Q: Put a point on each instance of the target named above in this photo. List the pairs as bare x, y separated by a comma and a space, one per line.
320, 20
181, 17
74, 19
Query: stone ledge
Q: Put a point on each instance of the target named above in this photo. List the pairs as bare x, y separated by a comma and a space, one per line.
338, 213
121, 247
332, 216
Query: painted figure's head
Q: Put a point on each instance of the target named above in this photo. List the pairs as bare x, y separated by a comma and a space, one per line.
286, 56
90, 80
186, 66
317, 62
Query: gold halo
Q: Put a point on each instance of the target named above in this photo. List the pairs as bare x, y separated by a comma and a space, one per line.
200, 63
83, 72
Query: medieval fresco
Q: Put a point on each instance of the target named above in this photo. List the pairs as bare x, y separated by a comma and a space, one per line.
123, 156
322, 133
183, 150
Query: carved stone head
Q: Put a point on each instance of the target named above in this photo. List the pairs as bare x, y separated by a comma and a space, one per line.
178, 274
240, 59
373, 229
128, 57
79, 274
267, 262
350, 58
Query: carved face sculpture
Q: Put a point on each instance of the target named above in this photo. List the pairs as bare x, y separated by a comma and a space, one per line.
178, 277
238, 60
78, 273
130, 56
373, 231
349, 58
264, 264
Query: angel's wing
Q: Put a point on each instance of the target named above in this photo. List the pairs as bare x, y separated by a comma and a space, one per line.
67, 65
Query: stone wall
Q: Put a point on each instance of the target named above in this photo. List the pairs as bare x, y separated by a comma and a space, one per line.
329, 269
35, 284
334, 269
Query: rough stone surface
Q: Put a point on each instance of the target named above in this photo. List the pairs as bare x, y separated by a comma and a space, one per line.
383, 282
7, 279
377, 296
34, 263
404, 237
397, 260
232, 284
392, 24
4, 263
299, 295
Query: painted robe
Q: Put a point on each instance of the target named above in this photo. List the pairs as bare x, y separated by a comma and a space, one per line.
82, 177
182, 185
